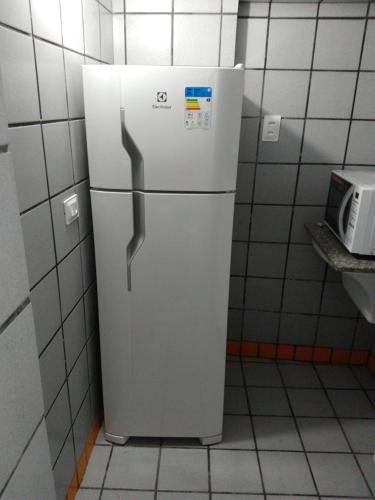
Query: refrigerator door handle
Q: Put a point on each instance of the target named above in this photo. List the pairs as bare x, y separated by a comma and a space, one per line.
139, 233
136, 160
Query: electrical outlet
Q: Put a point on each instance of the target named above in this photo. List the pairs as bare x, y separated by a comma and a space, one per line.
71, 210
271, 128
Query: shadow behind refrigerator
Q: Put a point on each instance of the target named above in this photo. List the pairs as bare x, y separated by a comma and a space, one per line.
163, 149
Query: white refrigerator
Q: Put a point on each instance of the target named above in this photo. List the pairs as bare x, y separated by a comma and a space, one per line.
163, 149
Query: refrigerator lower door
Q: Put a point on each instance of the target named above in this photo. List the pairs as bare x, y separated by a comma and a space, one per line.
163, 341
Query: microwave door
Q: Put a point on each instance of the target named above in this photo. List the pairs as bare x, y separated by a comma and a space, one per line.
344, 212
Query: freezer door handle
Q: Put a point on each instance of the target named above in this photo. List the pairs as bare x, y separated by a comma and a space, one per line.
136, 158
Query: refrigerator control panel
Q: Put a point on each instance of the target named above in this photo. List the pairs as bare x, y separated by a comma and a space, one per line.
198, 104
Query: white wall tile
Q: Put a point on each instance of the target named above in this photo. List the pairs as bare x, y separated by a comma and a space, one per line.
21, 395
19, 77
28, 159
325, 141
338, 44
365, 97
148, 39
119, 39
4, 138
285, 93
197, 5
52, 369
253, 9
107, 3
294, 9
72, 24
252, 92
79, 149
230, 6
148, 6
35, 464
70, 278
16, 13
368, 59
47, 19
355, 9
251, 42
106, 35
51, 75
118, 6
283, 50
361, 148
331, 94
58, 156
37, 234
91, 27
228, 40
196, 40
73, 70
46, 308
13, 274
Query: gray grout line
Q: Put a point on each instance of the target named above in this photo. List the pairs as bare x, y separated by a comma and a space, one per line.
106, 472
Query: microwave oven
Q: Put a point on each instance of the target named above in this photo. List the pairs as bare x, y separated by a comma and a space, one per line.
350, 211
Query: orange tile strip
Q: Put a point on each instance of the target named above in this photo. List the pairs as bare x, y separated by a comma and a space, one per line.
301, 353
84, 459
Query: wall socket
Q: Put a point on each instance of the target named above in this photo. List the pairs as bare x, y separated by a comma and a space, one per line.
271, 128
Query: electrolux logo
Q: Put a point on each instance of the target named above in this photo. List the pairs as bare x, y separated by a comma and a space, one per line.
161, 97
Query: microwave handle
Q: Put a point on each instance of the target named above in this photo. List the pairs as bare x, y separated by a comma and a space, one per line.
342, 208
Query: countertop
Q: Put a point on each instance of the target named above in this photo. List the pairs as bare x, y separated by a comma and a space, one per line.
335, 254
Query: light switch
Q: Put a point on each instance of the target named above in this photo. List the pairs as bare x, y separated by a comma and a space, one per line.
71, 209
271, 128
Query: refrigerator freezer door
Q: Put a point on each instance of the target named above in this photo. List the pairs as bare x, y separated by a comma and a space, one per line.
109, 162
185, 121
163, 342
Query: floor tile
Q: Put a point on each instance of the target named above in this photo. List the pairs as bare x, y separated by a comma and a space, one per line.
361, 434
88, 494
96, 467
262, 374
290, 497
337, 474
337, 377
365, 377
235, 401
183, 469
236, 496
309, 403
299, 376
351, 403
164, 495
237, 433
322, 434
233, 374
276, 433
286, 472
366, 462
127, 495
268, 401
132, 468
235, 471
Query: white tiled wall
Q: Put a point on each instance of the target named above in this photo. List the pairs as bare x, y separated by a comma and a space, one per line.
43, 45
178, 32
305, 62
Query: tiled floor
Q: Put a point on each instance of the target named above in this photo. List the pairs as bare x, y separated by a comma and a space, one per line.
289, 430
